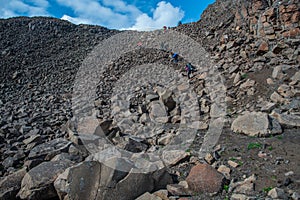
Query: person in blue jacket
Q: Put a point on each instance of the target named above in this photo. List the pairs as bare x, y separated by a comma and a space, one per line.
174, 57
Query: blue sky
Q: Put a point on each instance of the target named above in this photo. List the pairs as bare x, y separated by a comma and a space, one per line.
116, 14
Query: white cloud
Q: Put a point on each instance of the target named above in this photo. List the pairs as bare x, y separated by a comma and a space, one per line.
120, 15
18, 7
93, 12
164, 15
75, 20
115, 14
121, 6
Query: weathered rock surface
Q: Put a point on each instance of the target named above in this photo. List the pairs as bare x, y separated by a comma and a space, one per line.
78, 182
38, 182
204, 178
50, 149
287, 119
277, 193
253, 124
10, 185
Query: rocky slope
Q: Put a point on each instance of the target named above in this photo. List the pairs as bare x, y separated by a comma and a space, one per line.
255, 45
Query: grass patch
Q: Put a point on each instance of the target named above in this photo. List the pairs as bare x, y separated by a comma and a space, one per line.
267, 189
274, 178
270, 148
232, 159
254, 146
279, 137
226, 188
244, 76
240, 163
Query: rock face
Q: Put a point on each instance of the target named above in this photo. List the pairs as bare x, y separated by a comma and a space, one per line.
92, 180
204, 178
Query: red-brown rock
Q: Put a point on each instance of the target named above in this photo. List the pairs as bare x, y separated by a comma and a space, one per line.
291, 8
270, 12
285, 17
263, 48
296, 17
205, 179
292, 33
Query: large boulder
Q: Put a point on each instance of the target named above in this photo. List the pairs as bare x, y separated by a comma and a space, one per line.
79, 182
93, 180
204, 178
38, 182
10, 185
255, 124
158, 112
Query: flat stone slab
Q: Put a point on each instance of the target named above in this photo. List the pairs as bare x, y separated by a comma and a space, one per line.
49, 149
286, 119
252, 124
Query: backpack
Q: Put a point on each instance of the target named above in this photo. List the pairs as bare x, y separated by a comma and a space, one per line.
189, 67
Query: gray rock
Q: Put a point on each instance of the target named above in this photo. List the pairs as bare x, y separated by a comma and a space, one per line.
135, 146
276, 98
158, 112
33, 139
267, 106
152, 97
166, 98
33, 163
178, 190
11, 184
50, 149
163, 194
224, 170
286, 119
252, 124
245, 187
295, 196
275, 127
285, 91
241, 197
277, 193
278, 72
79, 182
296, 76
92, 180
148, 196
9, 162
38, 182
172, 157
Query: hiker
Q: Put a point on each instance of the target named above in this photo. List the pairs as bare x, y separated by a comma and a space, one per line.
189, 69
165, 28
174, 57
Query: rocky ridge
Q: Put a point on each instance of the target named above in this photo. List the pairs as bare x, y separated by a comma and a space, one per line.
256, 48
